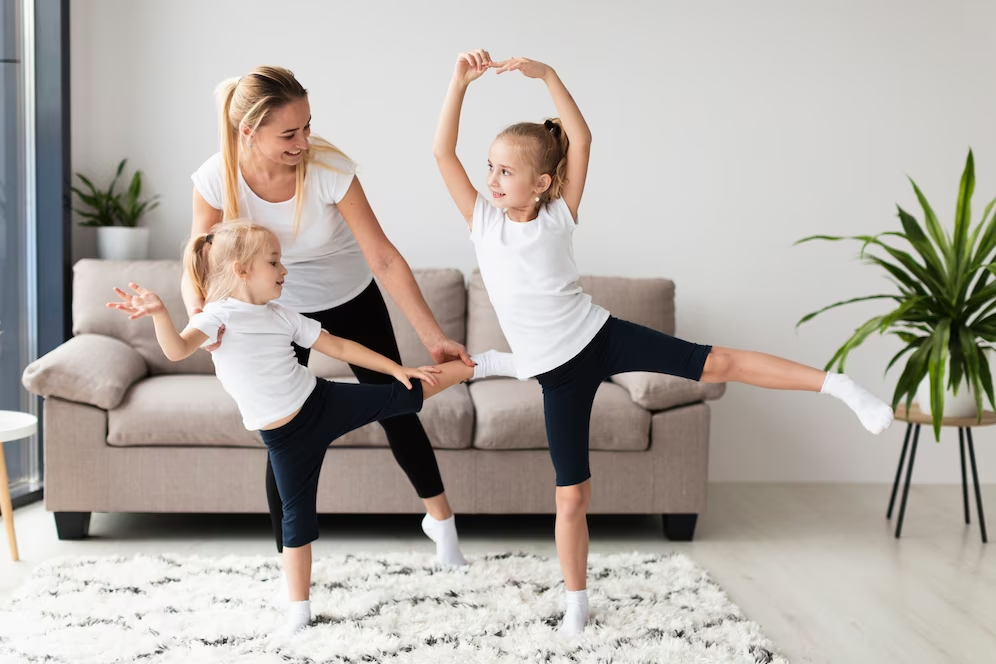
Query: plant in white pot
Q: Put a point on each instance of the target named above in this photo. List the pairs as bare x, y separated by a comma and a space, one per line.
945, 307
116, 217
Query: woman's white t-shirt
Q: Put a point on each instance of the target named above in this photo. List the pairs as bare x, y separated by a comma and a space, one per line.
256, 363
531, 277
325, 266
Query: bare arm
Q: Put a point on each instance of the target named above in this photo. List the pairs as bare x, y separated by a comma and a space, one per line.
205, 218
578, 134
392, 269
351, 352
469, 67
141, 302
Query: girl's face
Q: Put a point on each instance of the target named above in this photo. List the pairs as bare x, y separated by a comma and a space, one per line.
283, 136
513, 182
265, 278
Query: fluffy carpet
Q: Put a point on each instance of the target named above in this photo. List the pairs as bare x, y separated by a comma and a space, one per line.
502, 608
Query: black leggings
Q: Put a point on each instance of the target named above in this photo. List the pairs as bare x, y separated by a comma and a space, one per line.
569, 390
365, 320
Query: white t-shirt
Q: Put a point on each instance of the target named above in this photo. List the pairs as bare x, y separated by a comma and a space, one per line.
325, 266
256, 363
531, 278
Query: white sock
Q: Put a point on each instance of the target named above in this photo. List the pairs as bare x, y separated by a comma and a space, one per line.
874, 414
493, 363
576, 616
298, 617
444, 534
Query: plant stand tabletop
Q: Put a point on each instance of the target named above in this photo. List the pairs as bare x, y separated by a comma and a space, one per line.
914, 420
13, 426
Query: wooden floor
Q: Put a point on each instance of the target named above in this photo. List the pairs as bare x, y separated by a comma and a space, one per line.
816, 565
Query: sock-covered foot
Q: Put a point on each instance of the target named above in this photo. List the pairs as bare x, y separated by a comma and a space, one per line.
874, 414
493, 363
576, 616
444, 534
297, 618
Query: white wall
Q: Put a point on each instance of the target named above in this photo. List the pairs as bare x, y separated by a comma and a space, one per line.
724, 131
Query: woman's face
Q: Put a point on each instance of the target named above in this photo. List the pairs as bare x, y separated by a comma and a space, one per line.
283, 136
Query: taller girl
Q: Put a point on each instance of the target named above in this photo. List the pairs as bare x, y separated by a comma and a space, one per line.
522, 234
302, 188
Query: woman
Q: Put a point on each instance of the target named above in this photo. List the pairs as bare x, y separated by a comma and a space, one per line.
271, 169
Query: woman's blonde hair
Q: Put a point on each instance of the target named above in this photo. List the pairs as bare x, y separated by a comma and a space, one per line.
246, 102
214, 260
545, 148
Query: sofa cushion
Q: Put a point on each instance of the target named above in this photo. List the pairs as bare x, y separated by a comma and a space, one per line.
196, 410
648, 302
509, 415
656, 392
90, 368
93, 281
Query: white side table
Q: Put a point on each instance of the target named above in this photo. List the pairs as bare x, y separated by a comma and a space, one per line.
13, 426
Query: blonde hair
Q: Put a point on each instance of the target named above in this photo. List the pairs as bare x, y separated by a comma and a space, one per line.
545, 148
210, 258
246, 102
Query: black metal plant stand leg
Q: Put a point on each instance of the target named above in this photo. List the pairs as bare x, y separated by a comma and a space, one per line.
899, 471
975, 481
964, 481
906, 487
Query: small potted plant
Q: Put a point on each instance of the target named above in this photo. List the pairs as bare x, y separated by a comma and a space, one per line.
115, 215
944, 310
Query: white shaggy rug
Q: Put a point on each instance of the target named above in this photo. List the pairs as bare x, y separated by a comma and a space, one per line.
395, 608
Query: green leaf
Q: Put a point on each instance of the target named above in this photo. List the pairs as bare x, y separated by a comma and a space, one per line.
919, 240
963, 213
973, 368
938, 362
913, 345
811, 316
933, 226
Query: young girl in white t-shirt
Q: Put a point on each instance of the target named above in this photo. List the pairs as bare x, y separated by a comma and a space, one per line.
522, 234
236, 271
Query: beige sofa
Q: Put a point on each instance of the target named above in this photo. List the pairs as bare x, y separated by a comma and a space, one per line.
126, 430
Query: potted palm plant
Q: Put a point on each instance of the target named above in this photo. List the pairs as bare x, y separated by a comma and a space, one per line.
944, 307
116, 215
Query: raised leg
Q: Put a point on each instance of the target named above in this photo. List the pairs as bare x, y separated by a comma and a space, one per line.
72, 525
975, 481
964, 481
906, 488
899, 471
6, 509
680, 527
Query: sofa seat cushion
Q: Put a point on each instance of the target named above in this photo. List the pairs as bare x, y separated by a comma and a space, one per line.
196, 410
509, 416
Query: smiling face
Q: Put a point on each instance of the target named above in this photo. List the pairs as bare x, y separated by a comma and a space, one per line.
264, 281
512, 180
283, 135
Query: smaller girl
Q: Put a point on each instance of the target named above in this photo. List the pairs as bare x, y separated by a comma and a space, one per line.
236, 270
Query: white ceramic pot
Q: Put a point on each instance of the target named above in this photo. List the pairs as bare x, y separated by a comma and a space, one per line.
962, 405
123, 243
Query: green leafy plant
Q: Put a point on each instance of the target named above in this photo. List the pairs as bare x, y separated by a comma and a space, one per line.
945, 310
107, 208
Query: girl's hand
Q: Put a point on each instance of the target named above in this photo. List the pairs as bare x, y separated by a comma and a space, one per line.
529, 68
139, 303
424, 374
470, 65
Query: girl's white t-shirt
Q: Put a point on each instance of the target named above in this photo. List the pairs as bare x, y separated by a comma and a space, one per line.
325, 266
531, 277
256, 363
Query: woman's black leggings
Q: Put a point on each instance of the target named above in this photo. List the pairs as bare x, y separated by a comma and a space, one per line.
365, 320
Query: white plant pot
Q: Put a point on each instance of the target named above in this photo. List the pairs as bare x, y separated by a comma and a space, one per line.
962, 405
122, 243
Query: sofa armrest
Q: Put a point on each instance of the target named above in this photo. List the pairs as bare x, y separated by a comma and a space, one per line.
89, 368
655, 392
